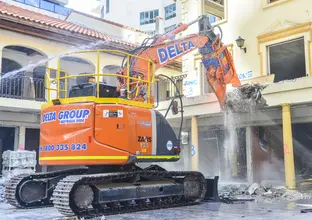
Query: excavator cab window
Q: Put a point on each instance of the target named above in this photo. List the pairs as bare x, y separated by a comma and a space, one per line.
89, 89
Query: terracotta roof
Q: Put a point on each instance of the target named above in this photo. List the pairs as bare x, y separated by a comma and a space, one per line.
107, 21
21, 13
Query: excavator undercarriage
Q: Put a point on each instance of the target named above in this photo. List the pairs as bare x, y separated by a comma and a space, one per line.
78, 192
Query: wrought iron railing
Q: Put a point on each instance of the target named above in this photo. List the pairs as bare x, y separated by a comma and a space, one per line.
22, 87
166, 88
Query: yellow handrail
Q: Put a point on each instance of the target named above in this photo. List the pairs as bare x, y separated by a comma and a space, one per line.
98, 75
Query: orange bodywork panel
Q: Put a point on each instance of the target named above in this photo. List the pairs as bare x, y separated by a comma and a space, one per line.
91, 134
118, 126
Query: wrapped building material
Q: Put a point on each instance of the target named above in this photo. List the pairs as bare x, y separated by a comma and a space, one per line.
20, 161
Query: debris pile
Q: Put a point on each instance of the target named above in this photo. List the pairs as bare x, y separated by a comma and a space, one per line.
266, 190
245, 98
1, 190
295, 195
258, 192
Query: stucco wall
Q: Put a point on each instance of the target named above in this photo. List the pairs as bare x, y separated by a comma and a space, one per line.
260, 25
128, 12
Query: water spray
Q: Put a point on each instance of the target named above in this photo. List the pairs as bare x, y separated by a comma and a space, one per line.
44, 61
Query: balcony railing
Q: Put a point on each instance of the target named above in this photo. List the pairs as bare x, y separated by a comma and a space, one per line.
46, 5
166, 88
26, 88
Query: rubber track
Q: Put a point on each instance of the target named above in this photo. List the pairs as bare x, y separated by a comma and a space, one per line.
61, 194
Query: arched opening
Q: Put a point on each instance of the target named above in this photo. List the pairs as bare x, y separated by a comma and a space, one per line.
22, 75
110, 69
75, 66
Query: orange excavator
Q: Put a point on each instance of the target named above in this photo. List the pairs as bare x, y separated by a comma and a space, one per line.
103, 131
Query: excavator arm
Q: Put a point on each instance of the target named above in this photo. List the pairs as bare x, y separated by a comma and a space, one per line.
216, 58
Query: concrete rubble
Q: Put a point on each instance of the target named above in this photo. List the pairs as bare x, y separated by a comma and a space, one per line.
261, 192
1, 190
245, 98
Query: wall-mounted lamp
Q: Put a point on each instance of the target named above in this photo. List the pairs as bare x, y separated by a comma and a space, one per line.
184, 138
240, 43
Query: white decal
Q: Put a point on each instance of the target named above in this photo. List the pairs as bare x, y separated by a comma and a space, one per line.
120, 113
169, 145
105, 113
113, 113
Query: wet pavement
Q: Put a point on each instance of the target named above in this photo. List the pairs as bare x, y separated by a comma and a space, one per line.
215, 211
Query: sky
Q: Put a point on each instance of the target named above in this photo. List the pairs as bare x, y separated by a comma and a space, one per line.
82, 5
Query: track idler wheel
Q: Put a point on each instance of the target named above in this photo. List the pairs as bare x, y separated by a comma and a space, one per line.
83, 197
194, 187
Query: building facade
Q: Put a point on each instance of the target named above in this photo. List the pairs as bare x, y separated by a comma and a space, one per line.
141, 14
54, 8
277, 51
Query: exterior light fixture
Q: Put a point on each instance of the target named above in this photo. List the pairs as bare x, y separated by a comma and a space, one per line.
184, 138
240, 43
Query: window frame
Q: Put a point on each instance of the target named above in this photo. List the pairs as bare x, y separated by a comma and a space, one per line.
173, 14
58, 9
288, 34
102, 11
31, 3
212, 15
286, 41
49, 3
223, 20
266, 4
171, 28
107, 6
147, 16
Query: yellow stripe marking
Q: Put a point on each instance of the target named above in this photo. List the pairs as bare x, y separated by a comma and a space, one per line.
158, 157
86, 158
106, 157
99, 101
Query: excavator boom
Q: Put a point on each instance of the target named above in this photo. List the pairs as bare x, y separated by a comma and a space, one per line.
216, 58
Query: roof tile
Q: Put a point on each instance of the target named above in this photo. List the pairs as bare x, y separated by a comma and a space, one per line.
11, 10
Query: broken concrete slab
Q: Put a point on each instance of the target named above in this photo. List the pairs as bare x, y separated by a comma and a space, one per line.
252, 188
268, 194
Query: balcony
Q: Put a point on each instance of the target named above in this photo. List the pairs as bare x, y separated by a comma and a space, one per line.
167, 90
25, 88
46, 5
28, 88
